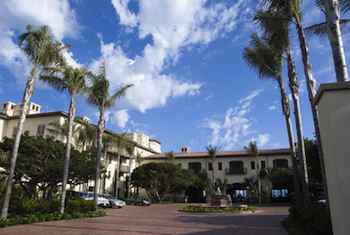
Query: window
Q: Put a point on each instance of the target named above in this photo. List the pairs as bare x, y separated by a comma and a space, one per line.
236, 168
210, 166
280, 163
263, 164
220, 166
196, 167
252, 165
279, 193
41, 130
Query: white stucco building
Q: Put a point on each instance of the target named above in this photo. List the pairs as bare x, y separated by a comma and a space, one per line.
233, 166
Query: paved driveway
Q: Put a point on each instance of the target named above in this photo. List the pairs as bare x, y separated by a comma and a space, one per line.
162, 219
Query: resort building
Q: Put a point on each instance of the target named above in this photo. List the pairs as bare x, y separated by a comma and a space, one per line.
235, 168
118, 163
232, 167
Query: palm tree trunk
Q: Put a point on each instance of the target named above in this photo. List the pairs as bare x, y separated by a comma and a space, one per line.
100, 130
336, 40
28, 92
293, 84
71, 117
311, 87
117, 174
286, 112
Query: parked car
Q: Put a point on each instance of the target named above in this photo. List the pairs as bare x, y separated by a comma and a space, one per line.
138, 202
115, 202
89, 196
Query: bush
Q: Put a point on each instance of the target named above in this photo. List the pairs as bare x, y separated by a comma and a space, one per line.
78, 205
312, 220
207, 209
40, 217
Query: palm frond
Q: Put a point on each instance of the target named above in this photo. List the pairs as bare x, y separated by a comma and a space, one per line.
121, 92
321, 28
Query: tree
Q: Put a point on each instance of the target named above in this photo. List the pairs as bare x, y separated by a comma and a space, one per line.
268, 62
42, 51
332, 10
289, 11
277, 33
159, 179
212, 152
123, 145
39, 167
100, 97
72, 80
253, 149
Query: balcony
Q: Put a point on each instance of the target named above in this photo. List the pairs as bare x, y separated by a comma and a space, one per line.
242, 171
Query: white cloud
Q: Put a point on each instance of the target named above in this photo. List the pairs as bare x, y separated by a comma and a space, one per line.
121, 117
173, 26
125, 16
16, 15
273, 107
263, 139
236, 128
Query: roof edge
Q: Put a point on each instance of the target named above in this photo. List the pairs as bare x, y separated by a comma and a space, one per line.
334, 86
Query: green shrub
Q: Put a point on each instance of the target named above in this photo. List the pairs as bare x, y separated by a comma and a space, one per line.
207, 209
312, 220
80, 205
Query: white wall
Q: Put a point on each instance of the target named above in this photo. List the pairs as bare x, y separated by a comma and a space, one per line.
334, 110
225, 162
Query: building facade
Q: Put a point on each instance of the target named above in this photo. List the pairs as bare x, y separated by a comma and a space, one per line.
118, 162
233, 167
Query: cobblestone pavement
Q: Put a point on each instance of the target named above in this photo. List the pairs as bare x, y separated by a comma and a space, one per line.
162, 219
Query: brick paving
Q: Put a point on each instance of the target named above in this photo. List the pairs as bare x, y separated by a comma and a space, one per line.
162, 219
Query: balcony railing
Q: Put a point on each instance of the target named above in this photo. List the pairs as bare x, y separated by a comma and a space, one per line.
242, 171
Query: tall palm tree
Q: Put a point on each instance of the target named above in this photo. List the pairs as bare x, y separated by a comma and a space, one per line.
253, 149
277, 33
72, 80
267, 61
87, 135
123, 145
42, 51
332, 10
212, 152
99, 96
289, 11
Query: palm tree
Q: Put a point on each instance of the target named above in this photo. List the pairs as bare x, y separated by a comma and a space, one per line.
100, 97
332, 27
87, 135
289, 11
212, 152
42, 51
72, 80
123, 146
253, 149
268, 63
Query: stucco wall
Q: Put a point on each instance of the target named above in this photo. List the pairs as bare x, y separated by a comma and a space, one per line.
221, 174
334, 110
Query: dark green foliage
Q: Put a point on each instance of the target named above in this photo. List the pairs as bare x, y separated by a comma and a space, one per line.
313, 220
78, 205
39, 166
206, 209
41, 217
313, 160
159, 179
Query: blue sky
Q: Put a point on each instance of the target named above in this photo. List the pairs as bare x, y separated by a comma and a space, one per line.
184, 57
